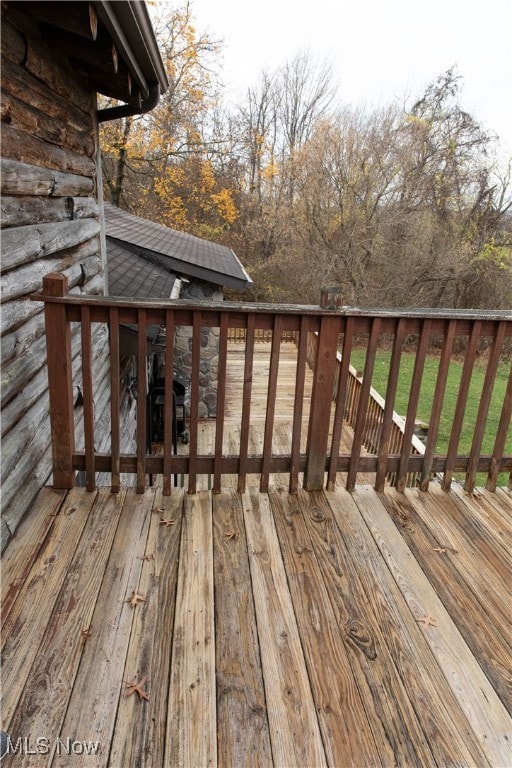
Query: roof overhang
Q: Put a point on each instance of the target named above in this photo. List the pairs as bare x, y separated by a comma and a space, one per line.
112, 43
186, 269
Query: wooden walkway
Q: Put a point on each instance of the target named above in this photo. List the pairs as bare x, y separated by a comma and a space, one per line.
259, 629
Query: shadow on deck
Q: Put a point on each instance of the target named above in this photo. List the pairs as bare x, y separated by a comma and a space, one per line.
314, 629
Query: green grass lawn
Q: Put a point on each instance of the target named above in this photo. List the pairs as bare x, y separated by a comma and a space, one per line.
379, 382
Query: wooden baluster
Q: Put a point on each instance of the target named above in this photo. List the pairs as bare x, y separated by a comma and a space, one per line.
298, 407
414, 396
88, 413
194, 401
483, 408
437, 405
60, 382
501, 437
115, 401
221, 403
460, 406
168, 400
412, 406
321, 402
363, 404
271, 403
142, 391
341, 396
389, 405
246, 402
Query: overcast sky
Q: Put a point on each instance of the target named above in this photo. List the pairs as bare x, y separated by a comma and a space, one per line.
381, 50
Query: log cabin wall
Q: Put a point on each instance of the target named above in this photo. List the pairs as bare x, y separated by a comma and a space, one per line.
50, 223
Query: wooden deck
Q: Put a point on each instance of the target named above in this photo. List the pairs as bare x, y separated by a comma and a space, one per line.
265, 629
297, 631
282, 418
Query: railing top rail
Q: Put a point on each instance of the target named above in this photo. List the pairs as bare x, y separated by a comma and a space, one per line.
267, 308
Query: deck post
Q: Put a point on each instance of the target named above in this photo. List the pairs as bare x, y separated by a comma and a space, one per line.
60, 382
321, 402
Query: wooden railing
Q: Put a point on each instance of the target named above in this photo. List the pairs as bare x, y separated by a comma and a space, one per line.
261, 335
376, 405
331, 399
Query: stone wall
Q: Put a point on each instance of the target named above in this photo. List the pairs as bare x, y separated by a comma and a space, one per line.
209, 365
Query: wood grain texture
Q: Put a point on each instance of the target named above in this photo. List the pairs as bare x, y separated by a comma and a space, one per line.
486, 714
299, 616
18, 178
26, 148
342, 716
26, 625
25, 548
242, 732
139, 735
58, 657
191, 725
364, 609
294, 730
100, 684
470, 602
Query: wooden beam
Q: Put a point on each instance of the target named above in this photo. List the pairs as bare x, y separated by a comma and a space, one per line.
142, 391
412, 407
60, 382
321, 401
271, 404
501, 438
483, 408
168, 400
102, 55
246, 403
78, 18
363, 404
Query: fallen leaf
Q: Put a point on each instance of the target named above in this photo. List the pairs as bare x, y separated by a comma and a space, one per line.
167, 523
427, 621
135, 687
231, 534
86, 633
160, 510
147, 557
135, 599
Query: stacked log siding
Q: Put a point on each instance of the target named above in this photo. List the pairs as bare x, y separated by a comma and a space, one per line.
50, 223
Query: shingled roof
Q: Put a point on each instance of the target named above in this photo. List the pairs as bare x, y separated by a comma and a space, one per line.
176, 252
132, 275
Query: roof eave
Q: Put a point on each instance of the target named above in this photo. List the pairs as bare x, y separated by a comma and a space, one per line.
187, 269
132, 32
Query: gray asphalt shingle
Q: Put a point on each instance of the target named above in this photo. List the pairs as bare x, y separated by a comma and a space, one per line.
131, 275
175, 251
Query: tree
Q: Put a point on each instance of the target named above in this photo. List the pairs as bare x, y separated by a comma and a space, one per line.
141, 152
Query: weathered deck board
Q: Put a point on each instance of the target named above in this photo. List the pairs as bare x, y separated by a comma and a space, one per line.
94, 700
43, 703
455, 530
276, 630
192, 720
469, 605
294, 729
477, 699
243, 733
141, 726
26, 624
342, 716
376, 628
24, 549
